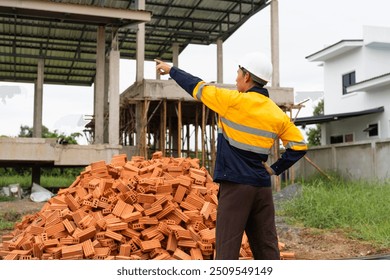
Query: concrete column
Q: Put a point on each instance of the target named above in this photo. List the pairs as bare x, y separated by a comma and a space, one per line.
38, 99
36, 174
105, 98
175, 54
113, 123
219, 61
140, 45
276, 183
275, 42
99, 86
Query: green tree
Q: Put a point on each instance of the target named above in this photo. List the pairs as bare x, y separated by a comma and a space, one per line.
26, 131
314, 134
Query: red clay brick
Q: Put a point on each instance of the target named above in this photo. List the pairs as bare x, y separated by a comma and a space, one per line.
162, 208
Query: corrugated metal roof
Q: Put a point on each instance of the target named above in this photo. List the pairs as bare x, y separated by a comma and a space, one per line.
67, 42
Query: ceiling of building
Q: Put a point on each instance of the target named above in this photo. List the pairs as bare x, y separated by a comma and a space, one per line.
66, 40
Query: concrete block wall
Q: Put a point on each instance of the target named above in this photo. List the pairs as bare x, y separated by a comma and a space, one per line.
368, 160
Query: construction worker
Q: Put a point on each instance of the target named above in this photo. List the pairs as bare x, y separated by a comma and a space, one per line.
249, 122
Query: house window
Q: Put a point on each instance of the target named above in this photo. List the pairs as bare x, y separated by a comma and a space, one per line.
372, 130
336, 139
348, 137
348, 79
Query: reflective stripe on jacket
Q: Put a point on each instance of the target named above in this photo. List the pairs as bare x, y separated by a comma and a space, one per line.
250, 121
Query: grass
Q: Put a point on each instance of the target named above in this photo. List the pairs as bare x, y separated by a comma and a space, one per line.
360, 209
46, 181
7, 220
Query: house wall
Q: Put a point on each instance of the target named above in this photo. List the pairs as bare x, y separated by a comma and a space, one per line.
367, 61
334, 69
354, 126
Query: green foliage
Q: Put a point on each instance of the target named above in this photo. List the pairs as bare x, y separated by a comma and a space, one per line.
6, 198
23, 181
314, 134
361, 209
46, 181
26, 131
319, 109
46, 171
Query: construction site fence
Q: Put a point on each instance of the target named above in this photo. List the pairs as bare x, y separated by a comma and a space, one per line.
368, 160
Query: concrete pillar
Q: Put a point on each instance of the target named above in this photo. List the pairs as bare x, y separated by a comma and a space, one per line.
219, 61
275, 42
105, 98
99, 86
175, 54
38, 99
36, 174
140, 45
113, 123
276, 183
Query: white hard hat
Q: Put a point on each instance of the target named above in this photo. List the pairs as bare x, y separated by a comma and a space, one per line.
258, 65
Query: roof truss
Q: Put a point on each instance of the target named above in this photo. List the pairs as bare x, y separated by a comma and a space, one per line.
63, 32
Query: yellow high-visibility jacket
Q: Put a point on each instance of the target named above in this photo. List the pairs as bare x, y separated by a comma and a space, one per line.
249, 123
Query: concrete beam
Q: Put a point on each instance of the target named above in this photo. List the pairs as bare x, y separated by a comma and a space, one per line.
169, 89
45, 150
75, 12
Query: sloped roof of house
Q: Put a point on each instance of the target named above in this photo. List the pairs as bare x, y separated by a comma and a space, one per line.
335, 117
335, 50
374, 82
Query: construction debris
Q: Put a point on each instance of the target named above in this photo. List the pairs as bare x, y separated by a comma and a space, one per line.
162, 208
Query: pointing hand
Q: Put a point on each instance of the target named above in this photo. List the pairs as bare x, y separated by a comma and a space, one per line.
162, 68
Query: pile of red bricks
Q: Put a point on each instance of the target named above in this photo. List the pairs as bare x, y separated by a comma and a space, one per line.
162, 208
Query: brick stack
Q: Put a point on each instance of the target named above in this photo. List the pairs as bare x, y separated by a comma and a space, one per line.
162, 208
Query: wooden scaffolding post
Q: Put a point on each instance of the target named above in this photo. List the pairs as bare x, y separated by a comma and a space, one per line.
292, 170
163, 122
144, 130
169, 137
276, 154
213, 149
188, 139
179, 126
196, 132
203, 134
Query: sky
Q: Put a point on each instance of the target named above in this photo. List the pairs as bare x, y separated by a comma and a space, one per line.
305, 27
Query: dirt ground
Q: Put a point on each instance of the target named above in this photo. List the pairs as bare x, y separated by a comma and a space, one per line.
306, 243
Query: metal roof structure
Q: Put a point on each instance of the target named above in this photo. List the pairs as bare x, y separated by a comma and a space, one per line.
31, 30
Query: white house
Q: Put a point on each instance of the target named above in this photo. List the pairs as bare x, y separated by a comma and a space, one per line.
356, 88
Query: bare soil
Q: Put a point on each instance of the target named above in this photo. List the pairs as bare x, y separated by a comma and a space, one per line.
306, 243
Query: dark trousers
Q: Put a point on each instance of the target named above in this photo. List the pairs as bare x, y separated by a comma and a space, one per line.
250, 209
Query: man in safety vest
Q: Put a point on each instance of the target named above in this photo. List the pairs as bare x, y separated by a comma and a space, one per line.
249, 123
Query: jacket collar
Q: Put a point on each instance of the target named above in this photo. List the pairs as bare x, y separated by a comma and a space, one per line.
260, 90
